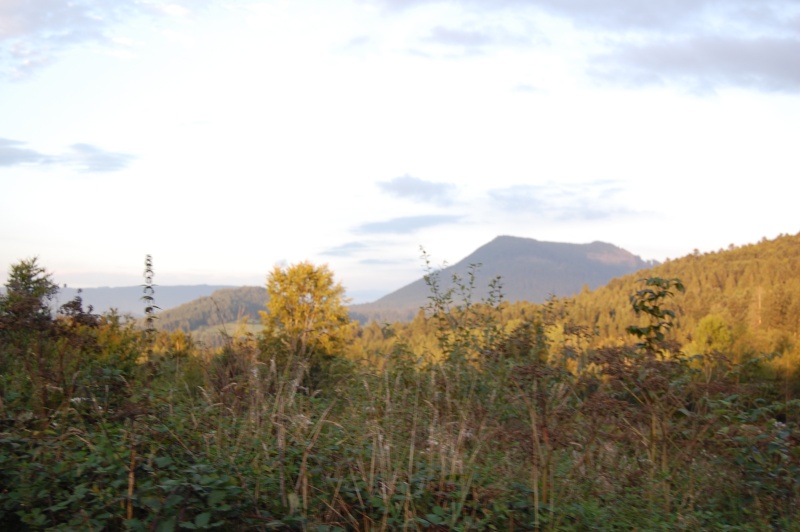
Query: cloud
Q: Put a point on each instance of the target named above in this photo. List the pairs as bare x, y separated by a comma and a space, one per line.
459, 37
85, 157
345, 250
618, 15
418, 189
386, 262
408, 224
12, 154
700, 43
527, 88
557, 201
674, 17
92, 159
61, 20
703, 45
629, 14
473, 41
523, 198
35, 32
705, 63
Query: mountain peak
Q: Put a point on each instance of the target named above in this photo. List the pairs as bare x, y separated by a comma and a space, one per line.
529, 269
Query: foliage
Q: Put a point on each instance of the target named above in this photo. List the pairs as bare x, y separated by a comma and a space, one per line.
520, 421
29, 289
464, 328
753, 289
148, 299
649, 301
306, 321
225, 306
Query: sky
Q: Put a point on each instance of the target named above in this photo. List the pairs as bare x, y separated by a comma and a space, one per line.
227, 137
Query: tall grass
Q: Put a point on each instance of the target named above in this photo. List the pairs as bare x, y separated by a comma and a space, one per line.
501, 430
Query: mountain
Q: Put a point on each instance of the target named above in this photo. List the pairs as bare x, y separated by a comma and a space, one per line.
224, 306
127, 299
739, 304
529, 270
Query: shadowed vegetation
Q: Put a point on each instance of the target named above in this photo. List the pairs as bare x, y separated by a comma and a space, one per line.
476, 415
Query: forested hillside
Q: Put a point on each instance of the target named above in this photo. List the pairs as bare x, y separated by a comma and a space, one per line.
750, 295
747, 298
741, 301
223, 307
127, 299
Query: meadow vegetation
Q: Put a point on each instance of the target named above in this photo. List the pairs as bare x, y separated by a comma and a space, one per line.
476, 421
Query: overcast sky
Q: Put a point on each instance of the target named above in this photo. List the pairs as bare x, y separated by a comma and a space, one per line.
224, 137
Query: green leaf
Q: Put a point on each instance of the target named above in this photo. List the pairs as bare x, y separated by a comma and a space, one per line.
134, 524
202, 520
434, 519
216, 497
163, 461
167, 525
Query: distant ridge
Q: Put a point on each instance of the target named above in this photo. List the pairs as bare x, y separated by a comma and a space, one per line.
127, 299
530, 270
227, 305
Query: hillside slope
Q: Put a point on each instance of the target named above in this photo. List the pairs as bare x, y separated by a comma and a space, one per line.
739, 304
128, 299
752, 292
530, 270
226, 305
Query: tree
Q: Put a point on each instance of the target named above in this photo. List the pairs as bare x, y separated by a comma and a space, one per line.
306, 318
649, 301
29, 290
713, 340
713, 335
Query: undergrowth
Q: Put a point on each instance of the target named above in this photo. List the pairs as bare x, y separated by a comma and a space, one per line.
497, 430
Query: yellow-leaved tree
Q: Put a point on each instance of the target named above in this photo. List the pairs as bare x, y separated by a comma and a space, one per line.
306, 321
